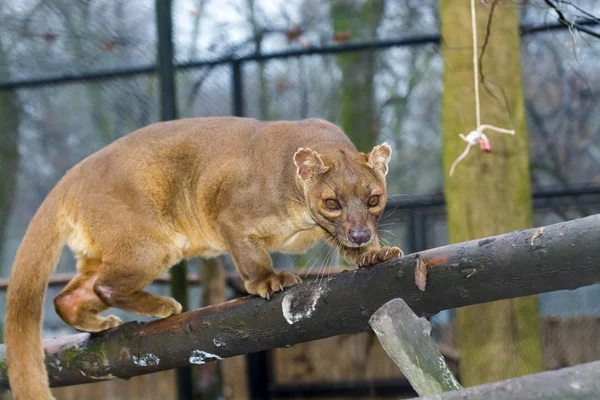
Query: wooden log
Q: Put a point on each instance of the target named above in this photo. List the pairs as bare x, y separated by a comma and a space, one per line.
560, 256
407, 339
581, 382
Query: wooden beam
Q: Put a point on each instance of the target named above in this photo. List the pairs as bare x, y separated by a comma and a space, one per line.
521, 263
578, 382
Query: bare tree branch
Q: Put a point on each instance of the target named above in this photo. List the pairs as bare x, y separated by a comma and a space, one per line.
563, 19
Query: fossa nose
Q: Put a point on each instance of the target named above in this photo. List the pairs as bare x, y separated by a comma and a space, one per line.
359, 236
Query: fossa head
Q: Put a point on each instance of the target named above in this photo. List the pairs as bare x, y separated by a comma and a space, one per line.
345, 191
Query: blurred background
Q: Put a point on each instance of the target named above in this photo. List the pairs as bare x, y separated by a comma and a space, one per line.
77, 74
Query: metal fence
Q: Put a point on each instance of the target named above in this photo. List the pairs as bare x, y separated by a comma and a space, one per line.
421, 219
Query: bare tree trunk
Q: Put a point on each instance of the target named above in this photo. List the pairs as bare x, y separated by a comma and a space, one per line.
489, 192
258, 34
358, 114
100, 115
197, 14
10, 119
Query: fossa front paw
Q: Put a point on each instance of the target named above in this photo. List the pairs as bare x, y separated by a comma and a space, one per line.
378, 256
97, 323
112, 321
273, 283
168, 307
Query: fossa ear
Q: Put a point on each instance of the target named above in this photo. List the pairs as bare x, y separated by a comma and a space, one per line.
309, 164
379, 157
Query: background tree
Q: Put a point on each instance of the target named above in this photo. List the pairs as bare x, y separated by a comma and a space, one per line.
489, 193
10, 120
360, 21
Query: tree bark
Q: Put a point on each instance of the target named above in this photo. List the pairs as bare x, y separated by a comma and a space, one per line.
406, 338
489, 192
521, 263
358, 114
10, 120
581, 382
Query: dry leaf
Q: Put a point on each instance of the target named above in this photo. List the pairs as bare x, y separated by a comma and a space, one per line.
342, 36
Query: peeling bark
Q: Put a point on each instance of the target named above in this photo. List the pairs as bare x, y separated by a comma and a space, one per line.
505, 266
406, 338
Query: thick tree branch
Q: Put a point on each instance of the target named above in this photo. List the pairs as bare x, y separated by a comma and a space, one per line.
521, 263
577, 382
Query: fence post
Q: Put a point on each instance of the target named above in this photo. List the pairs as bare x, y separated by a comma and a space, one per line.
168, 111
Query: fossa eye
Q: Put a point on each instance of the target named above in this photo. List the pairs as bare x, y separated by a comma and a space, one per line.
374, 201
332, 204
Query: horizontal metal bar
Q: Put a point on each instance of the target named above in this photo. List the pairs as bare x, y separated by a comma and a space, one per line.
332, 49
100, 75
404, 203
347, 47
375, 388
151, 69
432, 201
232, 278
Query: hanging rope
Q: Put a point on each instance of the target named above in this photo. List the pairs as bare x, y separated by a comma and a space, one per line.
475, 64
477, 137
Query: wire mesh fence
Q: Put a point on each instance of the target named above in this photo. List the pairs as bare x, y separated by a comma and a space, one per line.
70, 106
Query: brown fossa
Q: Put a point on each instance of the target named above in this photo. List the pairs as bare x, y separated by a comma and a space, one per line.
185, 188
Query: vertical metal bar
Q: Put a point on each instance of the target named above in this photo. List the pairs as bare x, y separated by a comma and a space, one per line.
237, 88
418, 231
259, 375
166, 69
412, 233
258, 365
422, 230
168, 111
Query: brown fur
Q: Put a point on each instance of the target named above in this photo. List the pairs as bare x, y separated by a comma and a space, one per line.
179, 189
